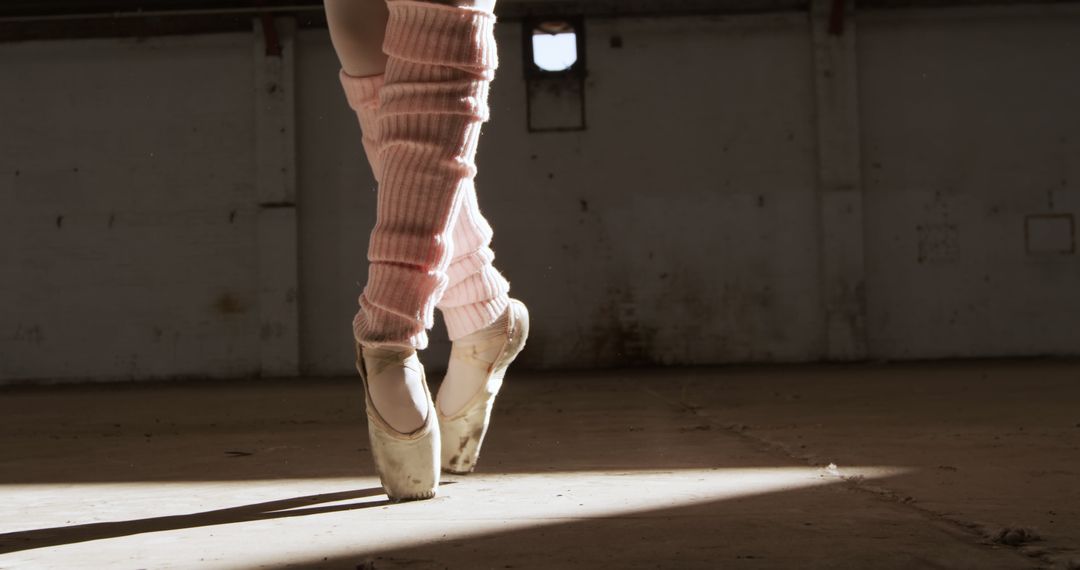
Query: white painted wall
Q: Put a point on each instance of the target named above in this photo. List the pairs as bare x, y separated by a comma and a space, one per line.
682, 227
126, 210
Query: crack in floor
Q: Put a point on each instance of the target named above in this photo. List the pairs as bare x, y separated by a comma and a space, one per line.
984, 536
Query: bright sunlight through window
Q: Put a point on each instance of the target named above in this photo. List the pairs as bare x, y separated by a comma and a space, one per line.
554, 50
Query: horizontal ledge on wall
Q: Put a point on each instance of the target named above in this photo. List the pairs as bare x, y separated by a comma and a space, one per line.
139, 23
24, 20
71, 20
520, 9
885, 4
26, 10
270, 205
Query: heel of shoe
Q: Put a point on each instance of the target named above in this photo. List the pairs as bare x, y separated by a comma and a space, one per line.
519, 334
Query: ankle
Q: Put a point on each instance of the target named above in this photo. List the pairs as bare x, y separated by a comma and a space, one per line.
497, 328
471, 359
377, 358
395, 382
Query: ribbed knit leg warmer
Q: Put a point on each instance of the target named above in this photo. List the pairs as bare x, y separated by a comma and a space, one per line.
477, 293
362, 93
421, 126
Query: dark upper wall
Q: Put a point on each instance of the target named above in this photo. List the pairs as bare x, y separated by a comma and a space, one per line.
22, 20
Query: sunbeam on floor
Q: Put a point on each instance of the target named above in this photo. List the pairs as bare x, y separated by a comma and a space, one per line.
242, 524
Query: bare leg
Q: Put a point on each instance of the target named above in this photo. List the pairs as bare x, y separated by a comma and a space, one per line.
357, 29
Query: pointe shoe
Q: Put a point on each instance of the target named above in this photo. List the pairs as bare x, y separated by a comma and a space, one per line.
463, 432
407, 463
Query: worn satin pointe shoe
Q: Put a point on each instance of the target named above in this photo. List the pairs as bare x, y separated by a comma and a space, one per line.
463, 432
407, 463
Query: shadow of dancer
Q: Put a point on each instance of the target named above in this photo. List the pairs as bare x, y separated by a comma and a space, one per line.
55, 536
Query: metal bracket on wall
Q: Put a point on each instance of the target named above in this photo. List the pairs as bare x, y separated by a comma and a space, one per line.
554, 100
836, 18
270, 34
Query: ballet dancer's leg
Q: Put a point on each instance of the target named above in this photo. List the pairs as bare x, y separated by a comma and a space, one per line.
441, 60
422, 136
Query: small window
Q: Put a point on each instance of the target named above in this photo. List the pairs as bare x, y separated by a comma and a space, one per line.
554, 45
554, 62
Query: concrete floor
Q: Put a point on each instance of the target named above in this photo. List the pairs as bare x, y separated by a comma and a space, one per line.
665, 468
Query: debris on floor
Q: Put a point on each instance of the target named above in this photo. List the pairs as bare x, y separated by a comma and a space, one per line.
1015, 536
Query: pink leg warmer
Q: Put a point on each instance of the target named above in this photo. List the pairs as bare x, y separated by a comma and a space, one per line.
421, 123
477, 294
362, 93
